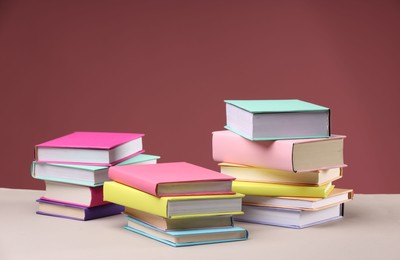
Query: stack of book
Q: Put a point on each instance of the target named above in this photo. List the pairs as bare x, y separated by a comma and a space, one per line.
177, 203
284, 159
74, 168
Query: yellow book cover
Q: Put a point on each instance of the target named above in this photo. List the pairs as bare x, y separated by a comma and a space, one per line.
281, 190
173, 207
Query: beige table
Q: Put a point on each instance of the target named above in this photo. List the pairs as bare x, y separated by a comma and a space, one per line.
369, 230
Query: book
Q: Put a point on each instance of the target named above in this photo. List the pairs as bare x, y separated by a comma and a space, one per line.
337, 196
173, 207
257, 174
277, 119
296, 155
70, 211
87, 175
74, 194
281, 190
290, 218
192, 237
95, 148
180, 223
172, 179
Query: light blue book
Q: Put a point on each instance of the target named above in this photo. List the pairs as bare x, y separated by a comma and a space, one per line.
277, 119
188, 237
86, 175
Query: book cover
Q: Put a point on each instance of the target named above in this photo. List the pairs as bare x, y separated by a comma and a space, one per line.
74, 194
336, 196
95, 148
257, 174
172, 179
76, 212
295, 155
189, 237
80, 174
173, 207
281, 190
277, 119
290, 218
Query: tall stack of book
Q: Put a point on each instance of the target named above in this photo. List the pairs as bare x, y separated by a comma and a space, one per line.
284, 159
75, 167
176, 203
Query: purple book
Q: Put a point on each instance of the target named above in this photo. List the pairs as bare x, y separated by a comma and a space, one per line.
71, 211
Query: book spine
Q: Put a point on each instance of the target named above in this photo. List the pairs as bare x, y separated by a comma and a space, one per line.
232, 148
103, 211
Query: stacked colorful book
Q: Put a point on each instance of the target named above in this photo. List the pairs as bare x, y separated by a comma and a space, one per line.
75, 167
177, 203
284, 159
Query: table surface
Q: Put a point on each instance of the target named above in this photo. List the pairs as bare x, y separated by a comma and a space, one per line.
370, 229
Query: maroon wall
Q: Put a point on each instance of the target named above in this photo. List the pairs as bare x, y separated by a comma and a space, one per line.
164, 68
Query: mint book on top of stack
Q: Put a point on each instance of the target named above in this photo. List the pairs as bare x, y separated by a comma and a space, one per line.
284, 159
75, 167
177, 203
277, 119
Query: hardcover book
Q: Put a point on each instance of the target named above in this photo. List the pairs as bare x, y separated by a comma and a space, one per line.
290, 218
74, 194
257, 174
70, 211
172, 179
187, 237
180, 223
337, 196
86, 175
295, 155
95, 148
281, 190
173, 207
277, 119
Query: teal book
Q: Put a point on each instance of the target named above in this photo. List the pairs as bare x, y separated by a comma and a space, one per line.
189, 237
277, 119
86, 175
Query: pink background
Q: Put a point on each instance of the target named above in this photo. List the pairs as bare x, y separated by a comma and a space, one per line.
163, 68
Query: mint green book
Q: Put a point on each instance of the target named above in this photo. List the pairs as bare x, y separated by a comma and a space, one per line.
86, 175
277, 119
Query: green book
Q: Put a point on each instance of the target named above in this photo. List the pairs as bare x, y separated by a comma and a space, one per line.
277, 119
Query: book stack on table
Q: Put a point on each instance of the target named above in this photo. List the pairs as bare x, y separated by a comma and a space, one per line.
74, 168
284, 159
176, 203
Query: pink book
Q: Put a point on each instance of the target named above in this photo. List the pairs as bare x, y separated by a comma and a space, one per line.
172, 179
91, 148
296, 155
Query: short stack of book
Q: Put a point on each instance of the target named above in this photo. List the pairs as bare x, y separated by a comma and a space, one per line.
176, 203
284, 159
75, 167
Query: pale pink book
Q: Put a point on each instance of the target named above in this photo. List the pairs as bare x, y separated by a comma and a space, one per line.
172, 179
91, 148
296, 155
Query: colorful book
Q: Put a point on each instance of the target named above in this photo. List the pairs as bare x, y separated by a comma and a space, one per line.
257, 174
337, 196
74, 194
173, 207
192, 237
87, 175
162, 223
70, 211
281, 190
172, 179
290, 218
295, 155
277, 119
94, 148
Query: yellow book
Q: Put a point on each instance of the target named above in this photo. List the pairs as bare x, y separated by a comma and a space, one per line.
281, 190
173, 207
